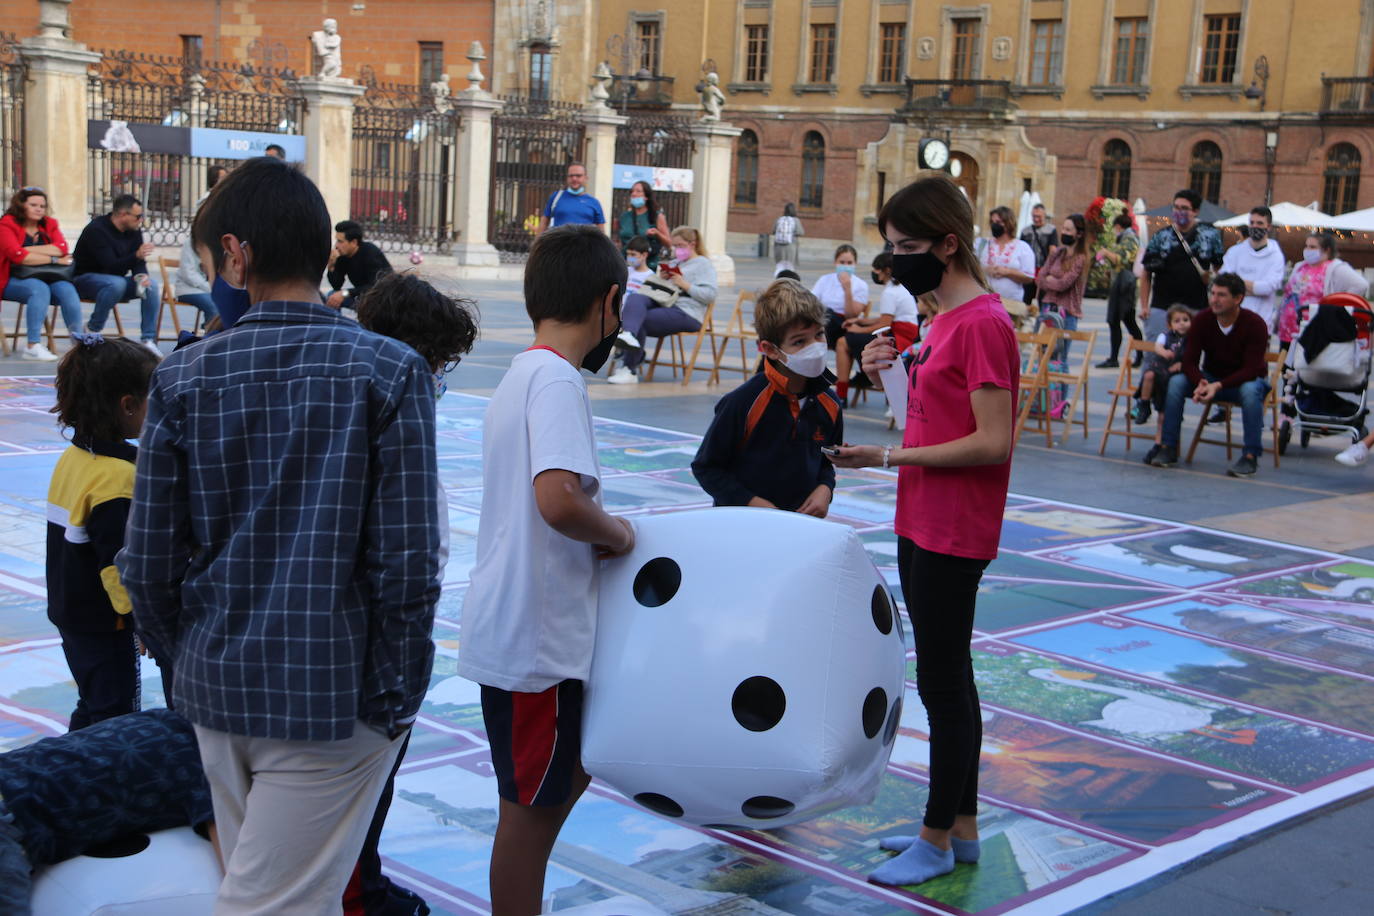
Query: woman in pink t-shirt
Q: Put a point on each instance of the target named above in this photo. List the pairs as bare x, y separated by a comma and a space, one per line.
953, 469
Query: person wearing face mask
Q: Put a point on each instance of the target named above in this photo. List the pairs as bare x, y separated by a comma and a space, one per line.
954, 466
1181, 259
572, 205
1319, 274
1039, 235
695, 278
1065, 276
1259, 262
643, 219
896, 309
764, 445
1008, 262
843, 294
1119, 253
637, 261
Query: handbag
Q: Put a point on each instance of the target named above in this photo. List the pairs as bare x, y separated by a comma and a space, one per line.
660, 291
48, 273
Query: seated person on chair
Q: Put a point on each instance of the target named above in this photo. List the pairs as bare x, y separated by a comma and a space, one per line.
191, 285
896, 308
354, 260
764, 446
31, 243
694, 276
1223, 361
111, 267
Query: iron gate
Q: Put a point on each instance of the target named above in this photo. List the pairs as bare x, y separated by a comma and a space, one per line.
658, 140
532, 141
11, 116
404, 167
177, 92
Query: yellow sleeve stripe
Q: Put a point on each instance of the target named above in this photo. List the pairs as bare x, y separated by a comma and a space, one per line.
119, 598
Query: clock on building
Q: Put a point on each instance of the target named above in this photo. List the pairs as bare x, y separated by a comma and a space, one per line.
933, 153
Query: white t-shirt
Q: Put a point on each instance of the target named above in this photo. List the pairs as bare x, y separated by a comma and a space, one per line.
897, 302
635, 279
529, 618
1018, 256
831, 293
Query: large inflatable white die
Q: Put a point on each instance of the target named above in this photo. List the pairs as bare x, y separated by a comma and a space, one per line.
748, 670
176, 874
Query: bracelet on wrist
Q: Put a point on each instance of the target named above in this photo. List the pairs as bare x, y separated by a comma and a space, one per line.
887, 455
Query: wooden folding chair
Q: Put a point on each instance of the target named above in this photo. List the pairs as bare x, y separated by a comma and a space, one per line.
1125, 388
737, 329
1271, 406
170, 304
1037, 350
1074, 380
677, 349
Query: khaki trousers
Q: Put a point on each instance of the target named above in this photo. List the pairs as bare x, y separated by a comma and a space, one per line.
292, 816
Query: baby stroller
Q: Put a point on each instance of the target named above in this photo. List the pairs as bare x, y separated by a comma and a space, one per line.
1327, 372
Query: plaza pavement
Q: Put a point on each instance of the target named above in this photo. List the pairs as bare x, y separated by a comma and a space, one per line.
1318, 864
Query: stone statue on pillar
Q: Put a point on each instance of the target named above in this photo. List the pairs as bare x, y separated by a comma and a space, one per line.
711, 98
328, 45
440, 92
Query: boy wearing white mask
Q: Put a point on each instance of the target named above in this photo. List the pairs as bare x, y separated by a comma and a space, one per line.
764, 446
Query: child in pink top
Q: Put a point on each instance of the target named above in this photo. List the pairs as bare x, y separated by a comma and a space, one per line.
954, 466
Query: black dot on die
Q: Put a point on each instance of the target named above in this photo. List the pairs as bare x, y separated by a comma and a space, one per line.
659, 804
764, 807
875, 710
758, 703
882, 610
657, 582
894, 719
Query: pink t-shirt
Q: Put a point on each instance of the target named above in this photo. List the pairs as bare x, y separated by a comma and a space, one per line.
957, 511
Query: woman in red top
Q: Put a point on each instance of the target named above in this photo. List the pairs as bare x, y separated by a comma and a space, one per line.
28, 235
953, 469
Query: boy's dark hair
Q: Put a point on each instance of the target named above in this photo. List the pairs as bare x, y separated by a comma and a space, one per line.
440, 328
352, 232
788, 275
278, 211
784, 305
638, 243
1263, 211
882, 260
1124, 220
274, 147
569, 271
1232, 283
1188, 194
124, 203
92, 377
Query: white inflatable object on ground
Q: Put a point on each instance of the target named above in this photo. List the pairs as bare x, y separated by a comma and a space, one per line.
748, 670
176, 875
616, 906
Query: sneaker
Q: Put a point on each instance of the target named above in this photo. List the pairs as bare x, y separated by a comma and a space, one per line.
1354, 456
1150, 455
1110, 363
1218, 415
152, 345
1140, 413
39, 352
1245, 466
626, 339
623, 376
1166, 457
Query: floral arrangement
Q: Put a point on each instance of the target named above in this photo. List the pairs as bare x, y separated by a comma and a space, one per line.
1099, 216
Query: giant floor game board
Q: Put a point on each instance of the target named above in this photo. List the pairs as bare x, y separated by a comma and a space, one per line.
1151, 691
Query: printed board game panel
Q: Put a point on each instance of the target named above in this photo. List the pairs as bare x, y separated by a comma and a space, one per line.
1207, 732
1007, 604
1036, 527
1305, 638
868, 505
640, 459
637, 494
460, 472
1286, 687
1189, 558
1341, 592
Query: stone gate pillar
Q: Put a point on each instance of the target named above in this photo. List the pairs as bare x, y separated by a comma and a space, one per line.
328, 133
472, 249
710, 203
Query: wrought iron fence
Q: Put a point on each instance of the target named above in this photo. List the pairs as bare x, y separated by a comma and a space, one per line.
532, 141
967, 96
404, 167
655, 140
177, 92
11, 116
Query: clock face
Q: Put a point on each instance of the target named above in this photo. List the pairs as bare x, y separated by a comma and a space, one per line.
935, 154
956, 168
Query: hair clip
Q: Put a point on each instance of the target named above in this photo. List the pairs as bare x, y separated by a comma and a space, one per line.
88, 340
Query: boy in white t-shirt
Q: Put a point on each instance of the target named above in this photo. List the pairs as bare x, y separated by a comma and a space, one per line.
637, 260
529, 618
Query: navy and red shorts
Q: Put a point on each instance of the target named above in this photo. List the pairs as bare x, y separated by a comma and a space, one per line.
536, 742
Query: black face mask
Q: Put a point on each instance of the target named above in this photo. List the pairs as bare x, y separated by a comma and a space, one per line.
1065, 239
877, 280
1258, 234
598, 355
998, 230
919, 273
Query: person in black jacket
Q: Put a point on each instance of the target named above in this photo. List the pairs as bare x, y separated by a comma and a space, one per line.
355, 260
110, 268
764, 445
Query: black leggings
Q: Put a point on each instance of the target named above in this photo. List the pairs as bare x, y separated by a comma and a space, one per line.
940, 591
1120, 310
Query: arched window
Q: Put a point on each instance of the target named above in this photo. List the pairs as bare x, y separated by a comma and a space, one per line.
1116, 169
813, 171
540, 69
1204, 171
747, 169
1341, 180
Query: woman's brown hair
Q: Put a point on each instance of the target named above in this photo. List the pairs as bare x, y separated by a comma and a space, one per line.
21, 197
932, 208
1008, 219
690, 235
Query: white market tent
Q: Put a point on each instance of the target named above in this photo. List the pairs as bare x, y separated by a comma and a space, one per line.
1356, 220
1288, 215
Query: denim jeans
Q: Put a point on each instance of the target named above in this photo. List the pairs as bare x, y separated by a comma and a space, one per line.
203, 301
1249, 395
643, 318
37, 295
107, 291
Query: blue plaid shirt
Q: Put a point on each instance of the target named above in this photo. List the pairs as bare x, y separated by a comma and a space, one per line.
283, 541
